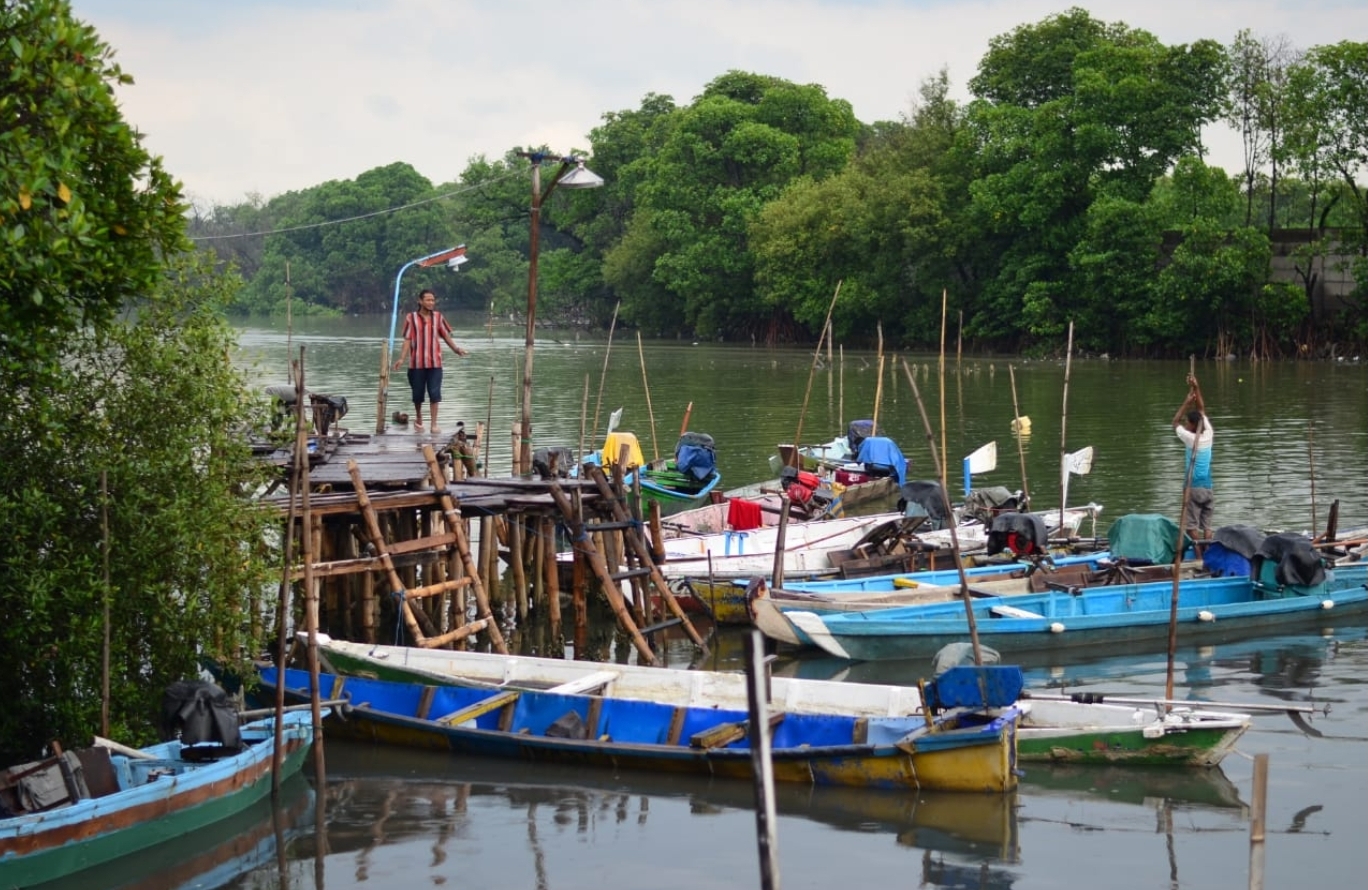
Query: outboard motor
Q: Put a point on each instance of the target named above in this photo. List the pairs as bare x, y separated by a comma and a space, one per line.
984, 504
925, 498
857, 432
695, 455
554, 462
1023, 534
1287, 560
198, 713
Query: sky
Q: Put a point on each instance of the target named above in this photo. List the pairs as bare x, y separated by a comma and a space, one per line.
259, 97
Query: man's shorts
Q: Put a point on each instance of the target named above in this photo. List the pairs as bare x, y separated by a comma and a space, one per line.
1197, 510
425, 381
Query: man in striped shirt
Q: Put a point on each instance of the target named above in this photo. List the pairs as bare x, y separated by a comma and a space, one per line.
424, 332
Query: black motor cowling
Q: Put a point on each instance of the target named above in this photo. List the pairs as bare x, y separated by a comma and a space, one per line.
198, 712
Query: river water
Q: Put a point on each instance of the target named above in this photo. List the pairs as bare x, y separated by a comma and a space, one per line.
1290, 440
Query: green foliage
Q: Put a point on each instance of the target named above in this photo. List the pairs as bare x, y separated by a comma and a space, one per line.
152, 400
85, 210
716, 164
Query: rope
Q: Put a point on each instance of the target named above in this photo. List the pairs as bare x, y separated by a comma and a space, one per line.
374, 213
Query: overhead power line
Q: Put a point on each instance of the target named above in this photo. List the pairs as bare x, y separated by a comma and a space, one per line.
374, 213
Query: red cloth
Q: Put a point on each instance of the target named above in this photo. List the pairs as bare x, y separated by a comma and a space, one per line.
743, 515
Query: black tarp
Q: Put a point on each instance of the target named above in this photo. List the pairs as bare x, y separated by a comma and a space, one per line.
924, 497
1022, 533
1297, 562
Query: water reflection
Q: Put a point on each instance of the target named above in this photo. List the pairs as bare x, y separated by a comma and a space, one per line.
213, 856
434, 802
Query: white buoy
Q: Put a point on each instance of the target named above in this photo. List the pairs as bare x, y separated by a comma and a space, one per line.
1206, 616
1056, 628
1327, 604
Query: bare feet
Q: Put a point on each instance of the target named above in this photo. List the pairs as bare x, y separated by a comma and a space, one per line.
436, 429
418, 427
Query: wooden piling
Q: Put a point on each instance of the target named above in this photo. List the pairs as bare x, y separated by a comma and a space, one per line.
600, 568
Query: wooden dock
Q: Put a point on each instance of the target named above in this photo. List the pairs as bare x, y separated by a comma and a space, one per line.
392, 518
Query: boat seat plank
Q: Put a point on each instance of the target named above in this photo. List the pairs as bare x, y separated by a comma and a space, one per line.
479, 708
1013, 612
582, 685
725, 733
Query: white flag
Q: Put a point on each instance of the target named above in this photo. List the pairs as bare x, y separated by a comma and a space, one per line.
613, 420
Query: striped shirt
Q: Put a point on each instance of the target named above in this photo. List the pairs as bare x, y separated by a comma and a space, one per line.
424, 335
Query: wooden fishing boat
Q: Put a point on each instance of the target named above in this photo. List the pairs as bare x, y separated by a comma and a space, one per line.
1072, 573
965, 739
1050, 729
1092, 617
676, 483
1153, 734
84, 808
724, 590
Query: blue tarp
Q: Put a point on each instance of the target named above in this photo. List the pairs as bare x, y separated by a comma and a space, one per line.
880, 451
697, 461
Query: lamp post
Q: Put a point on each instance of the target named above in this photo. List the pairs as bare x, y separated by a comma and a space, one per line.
453, 257
572, 174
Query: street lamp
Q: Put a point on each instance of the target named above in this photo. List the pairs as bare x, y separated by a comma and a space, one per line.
572, 174
453, 257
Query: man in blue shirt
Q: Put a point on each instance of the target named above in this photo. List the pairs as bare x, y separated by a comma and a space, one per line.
1194, 429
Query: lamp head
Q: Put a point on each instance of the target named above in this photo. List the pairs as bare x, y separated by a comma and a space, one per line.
455, 263
580, 178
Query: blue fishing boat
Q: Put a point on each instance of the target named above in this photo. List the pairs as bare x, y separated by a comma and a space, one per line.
964, 739
84, 808
1274, 596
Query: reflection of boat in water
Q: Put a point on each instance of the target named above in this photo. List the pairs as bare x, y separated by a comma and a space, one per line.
1209, 788
1282, 664
972, 827
212, 856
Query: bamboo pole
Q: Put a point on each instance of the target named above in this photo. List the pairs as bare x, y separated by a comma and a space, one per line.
1021, 447
1063, 427
552, 570
584, 414
106, 607
954, 536
378, 540
310, 585
489, 425
684, 427
1258, 822
941, 474
762, 766
777, 576
603, 376
1178, 553
645, 384
798, 436
840, 395
643, 553
516, 562
455, 524
878, 386
610, 589
1311, 457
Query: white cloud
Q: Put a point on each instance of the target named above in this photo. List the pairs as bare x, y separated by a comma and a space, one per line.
270, 97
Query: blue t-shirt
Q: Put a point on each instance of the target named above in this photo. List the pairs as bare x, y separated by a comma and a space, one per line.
1201, 468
